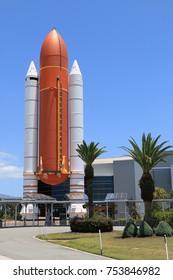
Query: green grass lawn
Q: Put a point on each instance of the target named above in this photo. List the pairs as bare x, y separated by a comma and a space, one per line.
135, 248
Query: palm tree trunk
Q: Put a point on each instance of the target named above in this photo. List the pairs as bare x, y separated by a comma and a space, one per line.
148, 216
90, 197
89, 174
147, 189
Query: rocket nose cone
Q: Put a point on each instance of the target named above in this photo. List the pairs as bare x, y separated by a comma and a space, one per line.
32, 72
75, 68
53, 50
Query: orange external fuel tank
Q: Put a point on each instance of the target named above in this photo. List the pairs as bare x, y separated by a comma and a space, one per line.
53, 127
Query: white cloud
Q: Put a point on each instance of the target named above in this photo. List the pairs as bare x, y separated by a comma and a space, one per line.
8, 167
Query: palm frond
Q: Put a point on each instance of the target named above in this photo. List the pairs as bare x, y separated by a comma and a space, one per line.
150, 153
88, 153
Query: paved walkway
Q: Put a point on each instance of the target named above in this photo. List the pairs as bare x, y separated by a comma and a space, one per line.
21, 244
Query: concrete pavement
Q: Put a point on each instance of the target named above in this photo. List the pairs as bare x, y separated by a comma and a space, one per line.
20, 244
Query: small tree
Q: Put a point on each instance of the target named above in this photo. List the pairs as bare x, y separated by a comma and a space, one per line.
88, 153
149, 155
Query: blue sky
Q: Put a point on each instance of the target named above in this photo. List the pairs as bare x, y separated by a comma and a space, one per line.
125, 52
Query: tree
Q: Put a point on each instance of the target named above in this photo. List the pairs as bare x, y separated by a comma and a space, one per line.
88, 153
147, 157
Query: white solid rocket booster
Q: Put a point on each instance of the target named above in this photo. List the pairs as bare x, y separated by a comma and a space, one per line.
31, 130
76, 129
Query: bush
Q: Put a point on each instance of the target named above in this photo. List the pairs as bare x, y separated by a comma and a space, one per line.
163, 228
91, 225
144, 230
130, 230
160, 193
166, 216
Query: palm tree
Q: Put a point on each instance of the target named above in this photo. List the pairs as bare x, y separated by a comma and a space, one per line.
88, 153
149, 156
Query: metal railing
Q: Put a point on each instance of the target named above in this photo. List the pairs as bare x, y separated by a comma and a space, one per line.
120, 211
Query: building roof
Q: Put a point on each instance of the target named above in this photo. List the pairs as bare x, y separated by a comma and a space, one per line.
37, 196
111, 160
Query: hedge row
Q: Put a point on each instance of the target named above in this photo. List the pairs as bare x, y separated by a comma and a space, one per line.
91, 225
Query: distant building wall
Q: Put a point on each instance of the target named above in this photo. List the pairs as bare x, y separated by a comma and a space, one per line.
104, 169
124, 177
162, 178
57, 191
124, 182
102, 185
138, 174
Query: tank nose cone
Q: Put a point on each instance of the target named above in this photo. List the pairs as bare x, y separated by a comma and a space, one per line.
53, 50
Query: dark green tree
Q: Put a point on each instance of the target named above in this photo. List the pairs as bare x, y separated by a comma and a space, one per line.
147, 157
88, 153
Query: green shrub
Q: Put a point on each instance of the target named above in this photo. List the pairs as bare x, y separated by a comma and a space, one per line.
166, 216
163, 228
130, 230
144, 230
91, 225
160, 193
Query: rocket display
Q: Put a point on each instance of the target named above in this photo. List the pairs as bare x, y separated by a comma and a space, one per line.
76, 138
53, 129
46, 140
31, 130
76, 129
